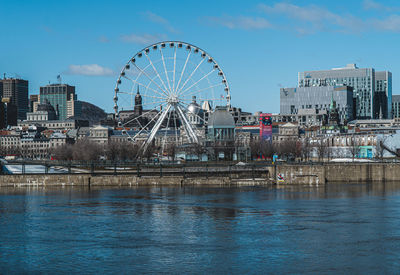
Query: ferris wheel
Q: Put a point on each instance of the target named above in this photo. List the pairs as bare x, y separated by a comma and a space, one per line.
158, 87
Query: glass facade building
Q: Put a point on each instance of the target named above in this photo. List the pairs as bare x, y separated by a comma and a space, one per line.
61, 97
372, 91
396, 106
296, 101
17, 91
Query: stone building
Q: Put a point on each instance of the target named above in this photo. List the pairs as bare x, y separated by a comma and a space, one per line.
44, 112
100, 134
287, 132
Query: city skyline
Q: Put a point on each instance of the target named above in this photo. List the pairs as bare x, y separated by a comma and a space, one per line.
261, 45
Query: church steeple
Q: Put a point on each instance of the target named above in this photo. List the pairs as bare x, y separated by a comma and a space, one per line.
333, 104
138, 103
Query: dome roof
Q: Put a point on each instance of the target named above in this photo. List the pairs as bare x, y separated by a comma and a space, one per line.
46, 106
221, 118
194, 108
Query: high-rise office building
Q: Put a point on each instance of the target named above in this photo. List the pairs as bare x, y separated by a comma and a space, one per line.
74, 108
17, 91
301, 100
395, 106
63, 99
369, 101
8, 113
34, 101
383, 95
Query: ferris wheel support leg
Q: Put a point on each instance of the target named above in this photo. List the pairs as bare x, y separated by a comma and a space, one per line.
156, 128
191, 134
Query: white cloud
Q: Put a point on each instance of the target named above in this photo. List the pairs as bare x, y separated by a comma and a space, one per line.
373, 5
155, 18
311, 19
104, 39
390, 23
240, 22
318, 18
144, 39
90, 70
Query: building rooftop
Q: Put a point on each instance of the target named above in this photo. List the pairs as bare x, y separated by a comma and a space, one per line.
221, 118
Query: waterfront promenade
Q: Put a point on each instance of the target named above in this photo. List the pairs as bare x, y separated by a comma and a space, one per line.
91, 174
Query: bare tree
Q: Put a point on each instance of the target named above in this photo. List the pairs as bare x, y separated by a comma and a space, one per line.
63, 152
151, 149
288, 149
321, 149
199, 150
380, 148
255, 148
113, 151
128, 151
86, 150
170, 150
305, 149
353, 148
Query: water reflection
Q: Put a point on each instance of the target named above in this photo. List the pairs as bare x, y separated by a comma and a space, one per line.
333, 228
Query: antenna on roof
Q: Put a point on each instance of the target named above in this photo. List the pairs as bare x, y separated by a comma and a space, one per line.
4, 76
59, 79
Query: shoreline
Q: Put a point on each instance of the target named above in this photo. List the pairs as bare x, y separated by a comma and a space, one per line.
280, 174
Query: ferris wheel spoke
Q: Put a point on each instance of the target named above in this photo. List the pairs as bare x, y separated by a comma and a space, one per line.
144, 128
133, 93
183, 70
155, 70
165, 69
176, 128
182, 92
187, 126
151, 96
202, 99
151, 79
152, 103
165, 134
144, 114
156, 127
146, 86
204, 89
173, 82
185, 106
190, 76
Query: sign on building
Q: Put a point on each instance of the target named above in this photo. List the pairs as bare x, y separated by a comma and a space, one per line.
265, 126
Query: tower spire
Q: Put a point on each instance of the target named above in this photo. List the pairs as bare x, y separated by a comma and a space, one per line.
331, 107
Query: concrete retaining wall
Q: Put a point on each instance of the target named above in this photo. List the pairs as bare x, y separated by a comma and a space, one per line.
341, 172
121, 180
304, 174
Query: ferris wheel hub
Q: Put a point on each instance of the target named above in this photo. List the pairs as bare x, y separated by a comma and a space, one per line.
173, 100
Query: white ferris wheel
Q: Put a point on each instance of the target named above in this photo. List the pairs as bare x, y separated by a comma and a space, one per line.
156, 90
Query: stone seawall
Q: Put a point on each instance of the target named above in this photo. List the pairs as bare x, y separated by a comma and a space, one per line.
121, 180
302, 174
338, 172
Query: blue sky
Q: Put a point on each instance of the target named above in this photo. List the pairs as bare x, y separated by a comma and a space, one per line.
260, 45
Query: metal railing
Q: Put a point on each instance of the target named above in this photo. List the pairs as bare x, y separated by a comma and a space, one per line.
186, 170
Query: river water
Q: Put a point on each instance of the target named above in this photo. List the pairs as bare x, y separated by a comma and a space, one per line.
332, 229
